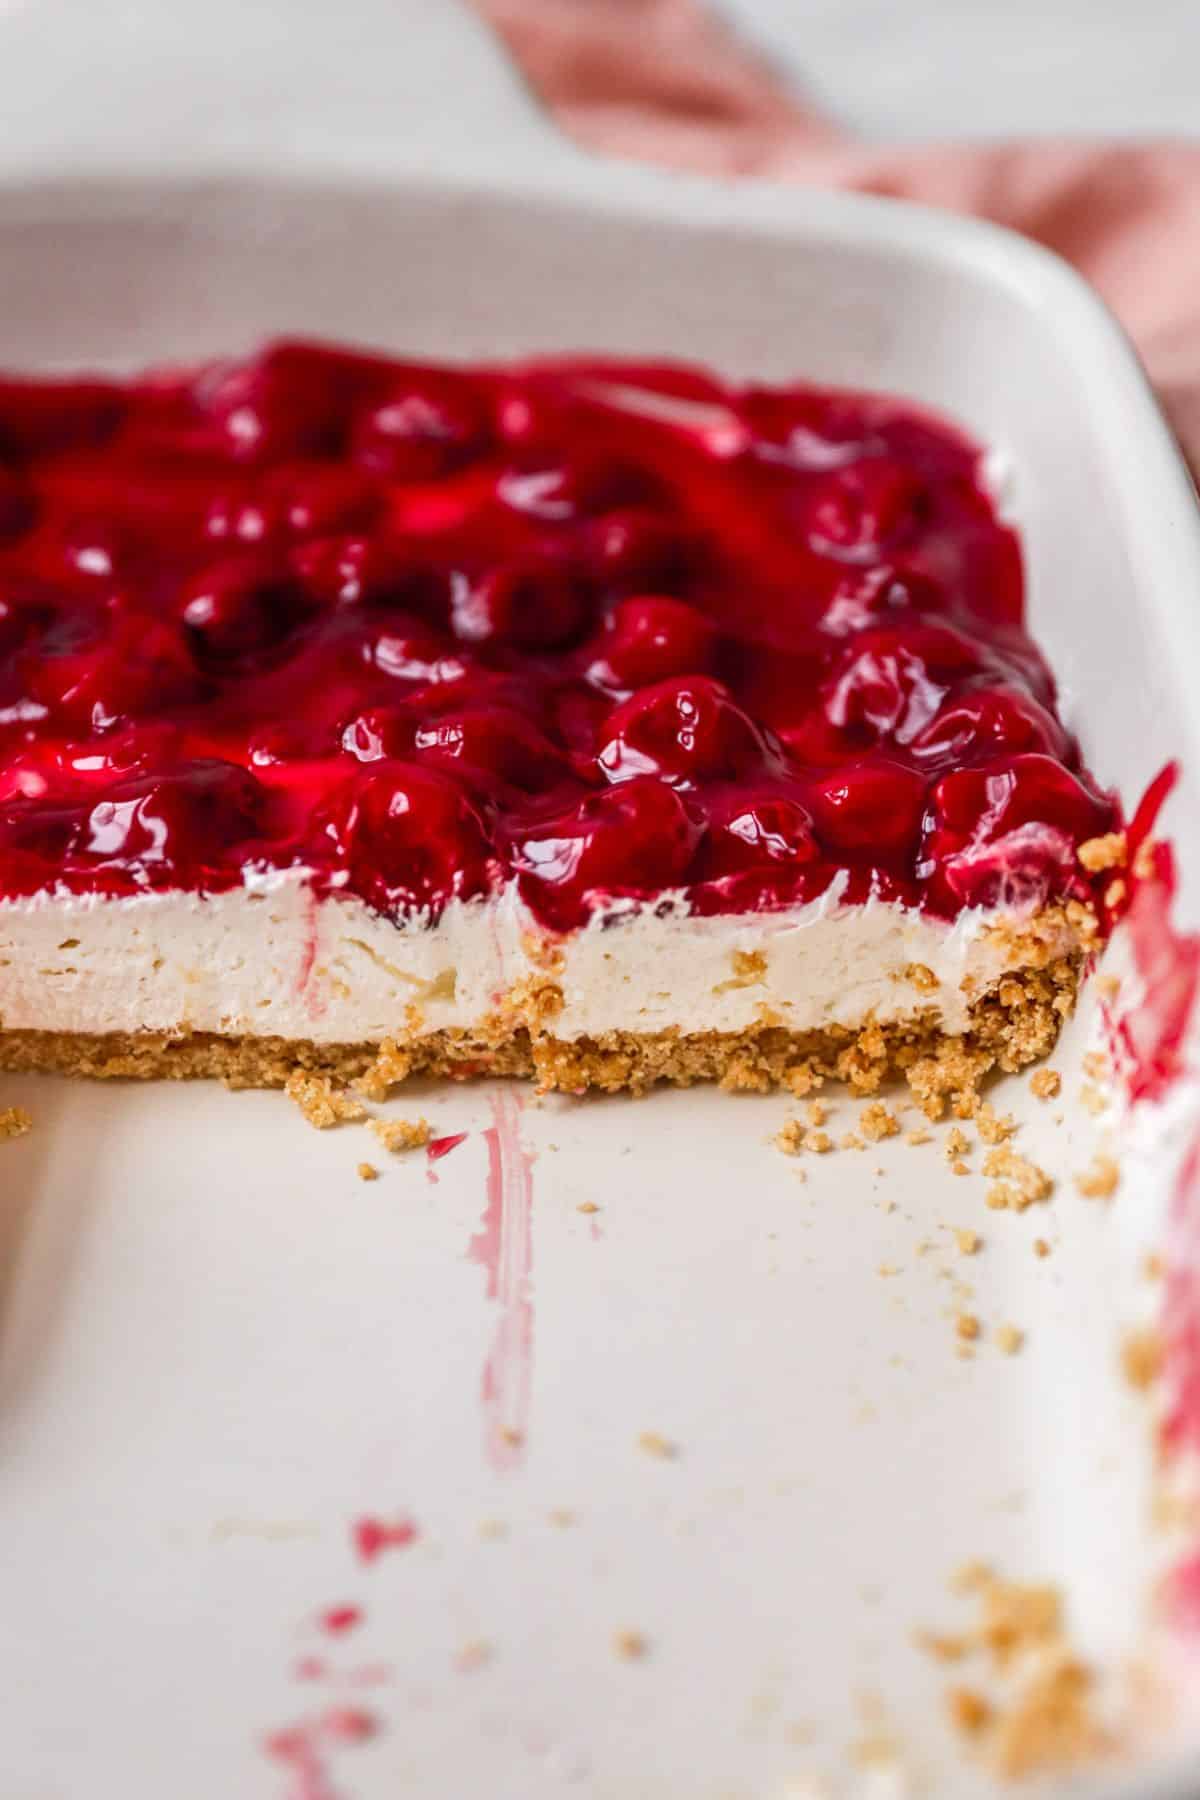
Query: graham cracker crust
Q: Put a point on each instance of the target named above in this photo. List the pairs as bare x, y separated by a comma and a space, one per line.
1011, 1027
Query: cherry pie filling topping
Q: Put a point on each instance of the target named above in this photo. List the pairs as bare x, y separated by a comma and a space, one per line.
606, 630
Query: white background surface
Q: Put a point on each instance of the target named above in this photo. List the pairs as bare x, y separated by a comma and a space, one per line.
986, 69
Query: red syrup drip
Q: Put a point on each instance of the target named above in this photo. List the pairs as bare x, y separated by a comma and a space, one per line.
372, 1536
504, 1248
337, 1620
605, 628
436, 1148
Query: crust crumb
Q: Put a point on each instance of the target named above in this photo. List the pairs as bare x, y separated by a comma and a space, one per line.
790, 1137
968, 1242
391, 1066
1040, 1247
967, 1327
655, 1444
587, 1206
402, 1134
630, 1645
993, 1127
1018, 1182
1045, 1084
1142, 1358
472, 1655
367, 1172
323, 1105
1009, 1338
957, 1143
958, 1167
1099, 853
922, 978
850, 1140
818, 1112
876, 1122
1095, 1065
1092, 1100
15, 1121
920, 1136
969, 1712
1050, 1723
1100, 1179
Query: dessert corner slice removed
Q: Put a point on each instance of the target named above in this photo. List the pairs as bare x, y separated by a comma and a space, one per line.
599, 723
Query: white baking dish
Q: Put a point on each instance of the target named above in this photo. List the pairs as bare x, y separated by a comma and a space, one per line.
218, 1348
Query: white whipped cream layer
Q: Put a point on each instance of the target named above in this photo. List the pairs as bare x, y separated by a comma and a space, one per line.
276, 959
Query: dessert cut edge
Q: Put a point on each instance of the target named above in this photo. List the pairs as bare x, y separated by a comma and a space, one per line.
603, 724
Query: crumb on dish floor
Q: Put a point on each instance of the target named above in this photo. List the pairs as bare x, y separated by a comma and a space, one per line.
322, 1104
402, 1134
1100, 1179
15, 1121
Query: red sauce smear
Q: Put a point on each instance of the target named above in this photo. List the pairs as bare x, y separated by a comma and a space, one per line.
372, 1536
504, 1248
436, 1148
604, 628
340, 1619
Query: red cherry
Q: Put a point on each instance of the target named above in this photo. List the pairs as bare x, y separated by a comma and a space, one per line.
857, 510
870, 808
689, 729
411, 838
496, 740
534, 604
871, 596
408, 650
1005, 834
98, 680
239, 608
358, 571
749, 829
186, 817
635, 548
183, 820
989, 721
301, 500
648, 638
289, 402
17, 507
562, 490
430, 425
42, 418
635, 838
378, 732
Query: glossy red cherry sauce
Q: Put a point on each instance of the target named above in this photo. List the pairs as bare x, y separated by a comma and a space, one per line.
612, 629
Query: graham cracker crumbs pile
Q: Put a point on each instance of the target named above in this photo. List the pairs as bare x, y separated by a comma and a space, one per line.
1100, 853
14, 1122
322, 1104
1100, 1179
793, 1137
876, 1122
1045, 1084
402, 1134
1042, 1719
1142, 1358
994, 1127
1017, 1182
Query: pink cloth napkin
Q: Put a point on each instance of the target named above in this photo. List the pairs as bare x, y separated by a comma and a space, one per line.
664, 81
